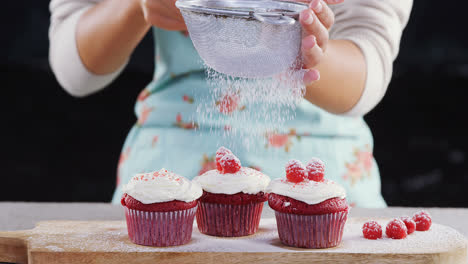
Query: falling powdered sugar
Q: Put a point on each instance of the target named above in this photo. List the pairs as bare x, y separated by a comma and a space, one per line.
244, 111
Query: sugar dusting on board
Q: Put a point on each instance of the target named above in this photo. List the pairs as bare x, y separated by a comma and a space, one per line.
244, 110
54, 248
112, 237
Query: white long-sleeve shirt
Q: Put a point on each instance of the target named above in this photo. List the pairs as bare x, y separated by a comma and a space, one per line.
375, 26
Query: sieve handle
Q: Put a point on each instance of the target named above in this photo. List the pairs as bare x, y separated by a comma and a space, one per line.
281, 20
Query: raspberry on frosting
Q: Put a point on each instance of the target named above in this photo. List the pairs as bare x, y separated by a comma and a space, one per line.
315, 170
295, 171
226, 161
219, 154
230, 164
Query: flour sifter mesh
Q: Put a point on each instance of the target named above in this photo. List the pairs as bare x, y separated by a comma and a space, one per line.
244, 38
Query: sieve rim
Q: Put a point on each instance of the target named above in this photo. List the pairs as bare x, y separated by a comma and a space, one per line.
243, 8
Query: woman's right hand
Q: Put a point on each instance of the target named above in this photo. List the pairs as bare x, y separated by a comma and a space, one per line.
163, 14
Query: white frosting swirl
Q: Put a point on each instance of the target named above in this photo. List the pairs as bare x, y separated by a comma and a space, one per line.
246, 180
162, 186
309, 192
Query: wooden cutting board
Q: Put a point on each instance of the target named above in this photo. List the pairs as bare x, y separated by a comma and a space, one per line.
106, 242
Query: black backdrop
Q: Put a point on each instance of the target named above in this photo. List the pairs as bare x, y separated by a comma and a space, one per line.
59, 148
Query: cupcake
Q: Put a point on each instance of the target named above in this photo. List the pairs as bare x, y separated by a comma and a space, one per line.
310, 211
233, 197
160, 208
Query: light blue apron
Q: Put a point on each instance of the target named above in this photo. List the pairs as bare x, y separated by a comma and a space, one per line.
169, 135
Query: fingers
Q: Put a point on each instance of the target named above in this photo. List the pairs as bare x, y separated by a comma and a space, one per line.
161, 7
330, 2
316, 21
302, 1
162, 14
311, 52
312, 26
323, 13
334, 2
144, 8
311, 76
166, 23
170, 4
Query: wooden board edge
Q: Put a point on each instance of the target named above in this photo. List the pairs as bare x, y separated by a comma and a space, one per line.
14, 247
40, 257
459, 255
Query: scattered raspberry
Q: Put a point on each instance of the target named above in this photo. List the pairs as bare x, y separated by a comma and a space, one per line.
230, 164
219, 154
295, 171
315, 170
396, 229
410, 224
423, 221
372, 230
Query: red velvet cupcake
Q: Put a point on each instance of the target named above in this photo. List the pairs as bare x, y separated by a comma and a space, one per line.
160, 208
233, 197
310, 211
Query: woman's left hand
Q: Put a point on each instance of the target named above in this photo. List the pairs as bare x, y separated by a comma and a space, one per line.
316, 21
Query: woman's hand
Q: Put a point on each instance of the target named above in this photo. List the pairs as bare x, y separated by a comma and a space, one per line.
316, 21
163, 14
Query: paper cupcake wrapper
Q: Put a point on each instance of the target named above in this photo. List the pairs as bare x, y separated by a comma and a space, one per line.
160, 229
311, 231
227, 220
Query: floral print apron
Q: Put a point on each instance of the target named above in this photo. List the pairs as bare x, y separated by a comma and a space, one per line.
168, 135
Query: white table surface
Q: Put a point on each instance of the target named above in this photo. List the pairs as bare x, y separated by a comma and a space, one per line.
21, 215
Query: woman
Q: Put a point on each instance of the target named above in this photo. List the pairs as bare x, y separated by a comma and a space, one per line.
348, 49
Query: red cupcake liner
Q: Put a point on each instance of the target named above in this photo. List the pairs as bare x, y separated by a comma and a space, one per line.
227, 220
311, 231
160, 229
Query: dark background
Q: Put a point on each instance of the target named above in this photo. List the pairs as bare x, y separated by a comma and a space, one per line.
59, 148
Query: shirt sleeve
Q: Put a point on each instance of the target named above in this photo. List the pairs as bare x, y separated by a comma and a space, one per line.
64, 57
375, 26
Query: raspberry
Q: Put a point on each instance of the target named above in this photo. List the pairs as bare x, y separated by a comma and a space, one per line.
396, 229
230, 164
219, 154
372, 230
423, 221
295, 171
410, 224
315, 170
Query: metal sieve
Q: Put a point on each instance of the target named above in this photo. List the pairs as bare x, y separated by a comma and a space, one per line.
244, 38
